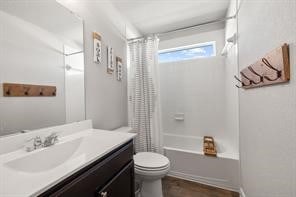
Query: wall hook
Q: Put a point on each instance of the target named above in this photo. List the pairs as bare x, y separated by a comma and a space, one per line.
270, 69
278, 72
239, 81
243, 84
238, 86
7, 92
266, 62
257, 74
27, 89
250, 80
41, 92
269, 79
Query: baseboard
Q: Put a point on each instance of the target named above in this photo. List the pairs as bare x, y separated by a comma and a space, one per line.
203, 180
242, 193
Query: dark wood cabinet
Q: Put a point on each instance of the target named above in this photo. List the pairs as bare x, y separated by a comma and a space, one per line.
120, 185
110, 176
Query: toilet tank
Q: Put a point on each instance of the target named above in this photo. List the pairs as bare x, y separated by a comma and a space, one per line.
124, 129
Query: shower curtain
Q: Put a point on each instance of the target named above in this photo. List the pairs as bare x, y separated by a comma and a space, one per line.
143, 94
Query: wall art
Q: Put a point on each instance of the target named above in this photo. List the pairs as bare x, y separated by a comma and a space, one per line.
110, 58
97, 39
119, 68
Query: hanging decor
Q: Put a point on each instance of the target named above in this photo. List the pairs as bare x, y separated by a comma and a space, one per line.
119, 68
97, 47
110, 59
273, 68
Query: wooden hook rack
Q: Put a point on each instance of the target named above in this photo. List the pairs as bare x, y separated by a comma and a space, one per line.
271, 69
27, 90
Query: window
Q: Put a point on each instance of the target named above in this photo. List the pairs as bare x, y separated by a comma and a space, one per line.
202, 50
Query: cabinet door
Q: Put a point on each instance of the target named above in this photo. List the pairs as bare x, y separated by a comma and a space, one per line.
87, 182
122, 185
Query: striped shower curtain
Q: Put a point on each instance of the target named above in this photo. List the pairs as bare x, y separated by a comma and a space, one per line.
143, 95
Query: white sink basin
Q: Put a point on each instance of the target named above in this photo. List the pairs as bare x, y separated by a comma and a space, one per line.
45, 159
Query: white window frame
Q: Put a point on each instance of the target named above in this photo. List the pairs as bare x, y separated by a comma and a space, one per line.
190, 47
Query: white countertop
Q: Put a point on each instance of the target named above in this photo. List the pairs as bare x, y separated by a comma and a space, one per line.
91, 144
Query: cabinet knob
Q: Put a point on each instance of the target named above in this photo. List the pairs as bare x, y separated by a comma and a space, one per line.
104, 194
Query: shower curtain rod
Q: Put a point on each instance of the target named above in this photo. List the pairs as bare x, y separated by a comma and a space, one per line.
185, 28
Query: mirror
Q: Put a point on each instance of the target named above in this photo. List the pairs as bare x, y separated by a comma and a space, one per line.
40, 50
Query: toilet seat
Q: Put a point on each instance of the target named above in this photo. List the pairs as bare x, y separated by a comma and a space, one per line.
151, 164
150, 161
152, 169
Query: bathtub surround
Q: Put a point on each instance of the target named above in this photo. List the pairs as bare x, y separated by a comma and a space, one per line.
197, 88
267, 115
143, 93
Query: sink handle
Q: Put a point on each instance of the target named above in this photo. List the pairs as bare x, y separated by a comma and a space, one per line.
51, 140
33, 143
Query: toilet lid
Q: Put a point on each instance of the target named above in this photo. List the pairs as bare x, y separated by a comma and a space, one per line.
150, 160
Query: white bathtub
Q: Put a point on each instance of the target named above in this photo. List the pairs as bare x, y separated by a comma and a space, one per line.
188, 162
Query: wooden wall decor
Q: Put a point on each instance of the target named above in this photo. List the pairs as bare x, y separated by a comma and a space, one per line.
27, 90
273, 68
110, 60
97, 40
119, 68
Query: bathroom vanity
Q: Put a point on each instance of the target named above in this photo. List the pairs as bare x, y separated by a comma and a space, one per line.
85, 162
111, 175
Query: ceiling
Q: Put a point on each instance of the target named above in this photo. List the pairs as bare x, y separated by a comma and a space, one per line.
153, 16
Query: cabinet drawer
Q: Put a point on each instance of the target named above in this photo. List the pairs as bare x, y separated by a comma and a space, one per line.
89, 180
122, 185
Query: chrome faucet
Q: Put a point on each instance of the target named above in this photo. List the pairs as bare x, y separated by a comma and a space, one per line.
37, 142
50, 140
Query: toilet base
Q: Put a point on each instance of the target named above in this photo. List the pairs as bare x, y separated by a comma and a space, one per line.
151, 188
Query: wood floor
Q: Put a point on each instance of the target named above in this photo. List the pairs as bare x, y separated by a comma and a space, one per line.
173, 187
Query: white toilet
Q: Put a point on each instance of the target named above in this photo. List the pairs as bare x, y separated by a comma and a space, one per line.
149, 169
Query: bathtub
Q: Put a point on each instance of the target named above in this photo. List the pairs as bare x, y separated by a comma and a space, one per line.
188, 162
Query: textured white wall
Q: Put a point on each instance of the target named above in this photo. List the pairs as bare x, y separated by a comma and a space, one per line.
195, 88
26, 49
106, 98
267, 114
